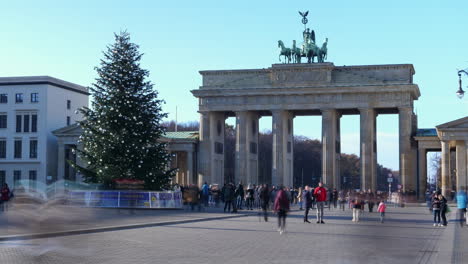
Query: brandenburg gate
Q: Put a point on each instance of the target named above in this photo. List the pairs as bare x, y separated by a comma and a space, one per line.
285, 91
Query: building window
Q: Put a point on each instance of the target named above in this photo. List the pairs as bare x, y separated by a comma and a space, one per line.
68, 104
33, 123
253, 147
218, 148
16, 177
19, 98
26, 123
3, 98
3, 120
2, 148
33, 148
18, 148
18, 123
68, 120
34, 98
2, 177
32, 179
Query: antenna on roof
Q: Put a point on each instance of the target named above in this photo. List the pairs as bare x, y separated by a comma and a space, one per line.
176, 118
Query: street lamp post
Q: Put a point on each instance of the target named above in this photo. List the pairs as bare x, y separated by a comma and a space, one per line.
460, 91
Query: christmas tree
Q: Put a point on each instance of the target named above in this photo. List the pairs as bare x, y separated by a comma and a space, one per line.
121, 130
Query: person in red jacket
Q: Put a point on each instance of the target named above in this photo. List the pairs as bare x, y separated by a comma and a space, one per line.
320, 194
281, 206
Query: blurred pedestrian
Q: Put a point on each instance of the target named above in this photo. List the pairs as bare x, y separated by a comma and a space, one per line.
461, 206
228, 197
342, 199
307, 198
239, 193
205, 194
443, 209
299, 197
357, 204
320, 195
265, 200
334, 197
436, 210
381, 210
5, 194
249, 197
281, 208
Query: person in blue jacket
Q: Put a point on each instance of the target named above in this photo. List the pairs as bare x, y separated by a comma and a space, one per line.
461, 205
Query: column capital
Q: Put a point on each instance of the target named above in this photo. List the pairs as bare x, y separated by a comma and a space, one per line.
405, 108
366, 109
277, 111
328, 110
240, 112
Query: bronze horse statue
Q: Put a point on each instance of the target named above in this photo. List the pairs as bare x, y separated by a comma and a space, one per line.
286, 52
295, 53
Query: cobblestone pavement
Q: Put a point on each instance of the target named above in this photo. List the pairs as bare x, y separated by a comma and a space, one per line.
407, 236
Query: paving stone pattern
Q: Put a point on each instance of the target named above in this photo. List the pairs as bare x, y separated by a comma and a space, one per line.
407, 236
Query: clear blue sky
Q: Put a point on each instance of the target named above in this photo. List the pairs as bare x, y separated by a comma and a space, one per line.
65, 39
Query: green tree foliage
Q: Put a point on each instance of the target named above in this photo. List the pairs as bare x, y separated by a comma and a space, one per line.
122, 128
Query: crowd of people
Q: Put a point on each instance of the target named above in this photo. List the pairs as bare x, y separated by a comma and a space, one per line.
279, 199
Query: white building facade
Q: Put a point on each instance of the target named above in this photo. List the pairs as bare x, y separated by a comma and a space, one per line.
30, 109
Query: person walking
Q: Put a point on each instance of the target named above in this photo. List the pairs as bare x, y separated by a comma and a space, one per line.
205, 194
228, 198
381, 210
307, 198
249, 197
281, 207
443, 209
370, 200
334, 197
239, 193
265, 200
461, 206
342, 199
299, 197
357, 206
320, 194
5, 194
436, 210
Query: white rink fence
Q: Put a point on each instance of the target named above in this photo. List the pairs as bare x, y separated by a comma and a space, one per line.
89, 195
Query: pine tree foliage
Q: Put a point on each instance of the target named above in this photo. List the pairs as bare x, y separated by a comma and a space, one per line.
122, 128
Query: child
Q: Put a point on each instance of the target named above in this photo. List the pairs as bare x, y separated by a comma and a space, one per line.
381, 210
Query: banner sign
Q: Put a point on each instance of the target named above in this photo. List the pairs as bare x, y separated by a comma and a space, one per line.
126, 199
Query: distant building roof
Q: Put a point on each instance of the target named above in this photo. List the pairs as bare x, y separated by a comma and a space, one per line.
181, 135
32, 80
426, 132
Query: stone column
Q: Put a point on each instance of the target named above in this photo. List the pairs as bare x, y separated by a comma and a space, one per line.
368, 149
240, 170
288, 145
217, 127
189, 177
205, 149
422, 172
252, 147
331, 149
211, 159
445, 167
406, 154
277, 170
461, 165
282, 171
61, 160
